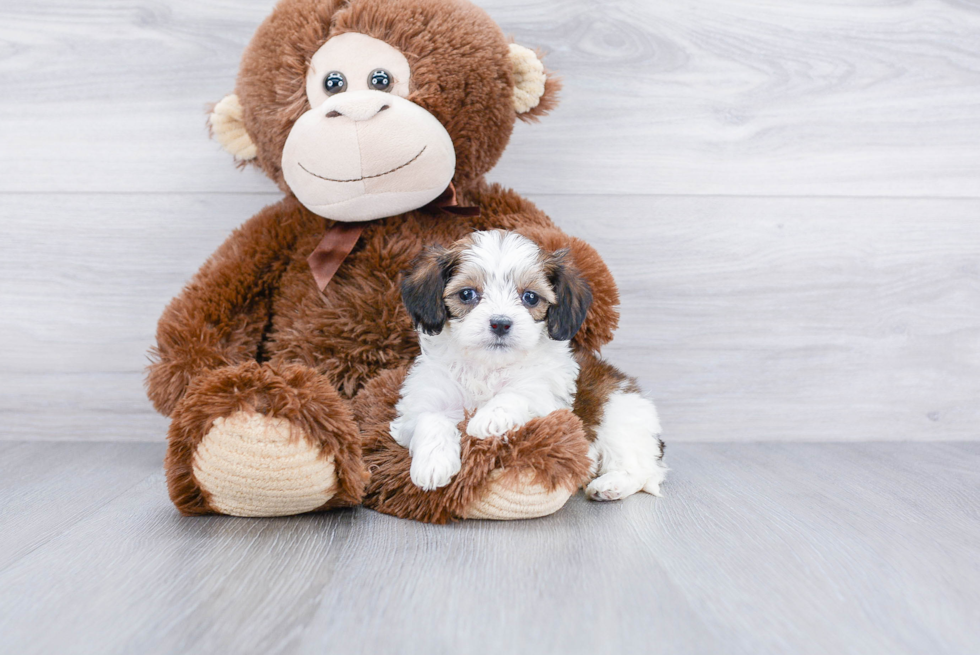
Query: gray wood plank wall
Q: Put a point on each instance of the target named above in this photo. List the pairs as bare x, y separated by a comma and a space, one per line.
787, 192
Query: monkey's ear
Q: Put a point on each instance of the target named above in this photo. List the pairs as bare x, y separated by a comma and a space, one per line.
535, 91
422, 289
573, 297
227, 124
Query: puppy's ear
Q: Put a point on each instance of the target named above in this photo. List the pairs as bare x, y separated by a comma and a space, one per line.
423, 286
573, 297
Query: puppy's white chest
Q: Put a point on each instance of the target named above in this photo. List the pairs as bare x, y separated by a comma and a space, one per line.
479, 386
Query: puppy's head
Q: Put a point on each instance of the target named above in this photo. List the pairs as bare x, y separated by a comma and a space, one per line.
496, 292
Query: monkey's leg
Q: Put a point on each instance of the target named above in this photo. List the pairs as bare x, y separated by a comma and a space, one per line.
263, 440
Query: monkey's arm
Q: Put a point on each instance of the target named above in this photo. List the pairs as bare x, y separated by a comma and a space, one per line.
221, 315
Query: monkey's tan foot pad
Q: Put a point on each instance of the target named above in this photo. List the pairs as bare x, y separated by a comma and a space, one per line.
250, 464
516, 497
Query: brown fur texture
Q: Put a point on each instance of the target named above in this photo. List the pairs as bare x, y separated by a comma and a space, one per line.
471, 95
552, 448
573, 297
424, 287
290, 392
252, 331
597, 380
603, 315
548, 101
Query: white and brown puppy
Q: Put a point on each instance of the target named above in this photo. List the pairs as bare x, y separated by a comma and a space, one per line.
494, 315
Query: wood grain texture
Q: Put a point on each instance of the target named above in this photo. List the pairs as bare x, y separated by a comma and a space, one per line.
745, 318
83, 280
842, 306
755, 548
47, 487
748, 97
803, 319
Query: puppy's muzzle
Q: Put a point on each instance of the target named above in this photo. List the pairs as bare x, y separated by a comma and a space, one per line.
500, 325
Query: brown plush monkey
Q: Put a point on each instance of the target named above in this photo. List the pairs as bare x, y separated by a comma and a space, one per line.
280, 362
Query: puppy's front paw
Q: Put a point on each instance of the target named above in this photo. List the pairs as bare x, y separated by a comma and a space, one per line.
398, 432
435, 451
493, 421
434, 470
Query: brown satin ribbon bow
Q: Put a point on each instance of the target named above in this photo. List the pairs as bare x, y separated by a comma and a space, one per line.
330, 253
446, 202
340, 238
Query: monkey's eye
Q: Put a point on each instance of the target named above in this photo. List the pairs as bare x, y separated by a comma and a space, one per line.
530, 298
468, 296
334, 82
380, 80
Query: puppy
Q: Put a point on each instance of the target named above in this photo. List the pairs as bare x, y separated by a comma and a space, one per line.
494, 315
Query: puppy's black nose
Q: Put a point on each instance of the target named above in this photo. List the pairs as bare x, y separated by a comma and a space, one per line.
500, 325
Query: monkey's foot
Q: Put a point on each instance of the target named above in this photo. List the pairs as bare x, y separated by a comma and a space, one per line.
253, 465
261, 440
506, 497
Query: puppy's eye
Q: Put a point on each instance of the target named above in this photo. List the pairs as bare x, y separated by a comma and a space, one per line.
530, 298
380, 80
334, 82
468, 295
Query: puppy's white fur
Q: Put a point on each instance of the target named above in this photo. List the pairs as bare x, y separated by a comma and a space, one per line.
627, 451
467, 368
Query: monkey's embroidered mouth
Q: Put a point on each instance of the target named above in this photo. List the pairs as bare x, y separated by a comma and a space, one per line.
366, 177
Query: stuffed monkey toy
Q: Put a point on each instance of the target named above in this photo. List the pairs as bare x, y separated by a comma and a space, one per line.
280, 362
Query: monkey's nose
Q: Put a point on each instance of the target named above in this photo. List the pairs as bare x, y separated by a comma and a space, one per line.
357, 105
500, 325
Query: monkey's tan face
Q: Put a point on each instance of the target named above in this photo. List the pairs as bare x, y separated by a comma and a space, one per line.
364, 151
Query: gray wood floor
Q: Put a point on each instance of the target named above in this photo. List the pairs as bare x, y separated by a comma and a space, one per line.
754, 548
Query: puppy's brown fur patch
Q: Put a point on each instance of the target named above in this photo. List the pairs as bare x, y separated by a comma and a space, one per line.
423, 288
467, 275
597, 380
536, 280
573, 296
